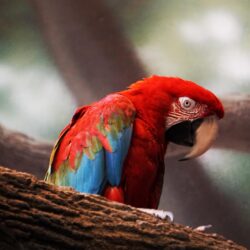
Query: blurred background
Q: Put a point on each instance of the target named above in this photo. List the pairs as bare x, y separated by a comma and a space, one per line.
57, 55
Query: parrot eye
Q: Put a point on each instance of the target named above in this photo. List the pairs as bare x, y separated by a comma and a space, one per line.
186, 103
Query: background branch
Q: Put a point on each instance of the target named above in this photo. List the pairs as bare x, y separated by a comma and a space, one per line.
89, 47
21, 152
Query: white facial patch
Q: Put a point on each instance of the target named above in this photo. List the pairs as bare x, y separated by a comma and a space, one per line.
184, 109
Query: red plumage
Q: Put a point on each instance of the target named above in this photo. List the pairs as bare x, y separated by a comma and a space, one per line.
143, 168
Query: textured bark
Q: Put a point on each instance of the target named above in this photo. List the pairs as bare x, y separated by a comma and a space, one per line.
26, 154
35, 215
89, 47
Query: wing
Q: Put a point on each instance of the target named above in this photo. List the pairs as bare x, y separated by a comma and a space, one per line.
91, 150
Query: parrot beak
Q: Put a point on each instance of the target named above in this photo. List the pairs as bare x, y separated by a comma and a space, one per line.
198, 134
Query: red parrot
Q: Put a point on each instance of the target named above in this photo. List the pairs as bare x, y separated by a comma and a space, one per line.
115, 147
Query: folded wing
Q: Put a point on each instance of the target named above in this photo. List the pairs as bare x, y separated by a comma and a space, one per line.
91, 150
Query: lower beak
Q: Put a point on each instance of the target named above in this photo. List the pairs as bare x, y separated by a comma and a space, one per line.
198, 134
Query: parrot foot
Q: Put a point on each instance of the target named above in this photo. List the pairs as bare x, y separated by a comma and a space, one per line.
164, 215
202, 228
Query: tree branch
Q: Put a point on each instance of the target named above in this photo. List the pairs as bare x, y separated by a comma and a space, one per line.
36, 215
23, 153
234, 128
89, 47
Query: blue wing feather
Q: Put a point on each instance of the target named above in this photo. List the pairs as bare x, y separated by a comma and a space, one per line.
90, 176
115, 159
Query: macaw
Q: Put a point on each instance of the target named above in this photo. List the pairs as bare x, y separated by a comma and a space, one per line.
115, 147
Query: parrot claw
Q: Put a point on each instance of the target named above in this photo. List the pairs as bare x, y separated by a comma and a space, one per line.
164, 215
202, 228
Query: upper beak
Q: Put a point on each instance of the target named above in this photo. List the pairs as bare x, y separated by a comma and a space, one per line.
199, 134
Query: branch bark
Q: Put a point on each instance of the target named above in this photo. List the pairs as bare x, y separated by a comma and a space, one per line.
35, 215
23, 153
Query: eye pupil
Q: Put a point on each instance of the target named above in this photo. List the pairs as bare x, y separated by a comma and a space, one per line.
186, 103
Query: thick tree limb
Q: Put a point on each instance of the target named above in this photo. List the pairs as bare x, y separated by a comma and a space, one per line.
234, 128
89, 47
35, 215
26, 154
23, 153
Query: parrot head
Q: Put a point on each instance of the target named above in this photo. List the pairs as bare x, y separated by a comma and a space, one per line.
194, 122
191, 112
